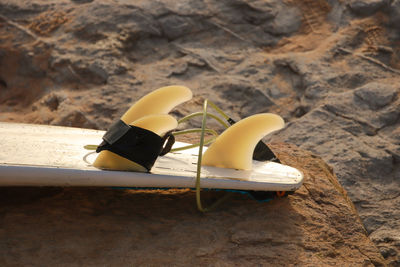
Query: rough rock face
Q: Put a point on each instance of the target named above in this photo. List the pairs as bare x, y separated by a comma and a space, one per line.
316, 226
330, 68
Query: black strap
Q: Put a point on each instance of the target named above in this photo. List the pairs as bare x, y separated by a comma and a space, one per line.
135, 144
262, 152
116, 131
170, 138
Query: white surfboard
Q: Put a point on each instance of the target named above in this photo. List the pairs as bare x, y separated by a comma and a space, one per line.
41, 155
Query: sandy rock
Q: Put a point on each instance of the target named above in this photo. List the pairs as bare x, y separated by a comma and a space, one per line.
316, 226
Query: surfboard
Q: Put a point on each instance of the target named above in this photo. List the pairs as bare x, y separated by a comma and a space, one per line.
43, 155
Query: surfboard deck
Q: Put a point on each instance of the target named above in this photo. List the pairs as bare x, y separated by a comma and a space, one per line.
42, 155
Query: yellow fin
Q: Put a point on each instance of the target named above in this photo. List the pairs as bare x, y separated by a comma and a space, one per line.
235, 146
108, 160
159, 124
160, 101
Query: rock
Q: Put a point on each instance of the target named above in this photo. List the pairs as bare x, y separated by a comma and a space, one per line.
367, 7
244, 99
287, 21
185, 8
82, 1
74, 119
329, 68
52, 101
178, 69
255, 12
176, 26
317, 225
365, 159
89, 73
89, 33
99, 21
259, 12
377, 95
394, 14
387, 243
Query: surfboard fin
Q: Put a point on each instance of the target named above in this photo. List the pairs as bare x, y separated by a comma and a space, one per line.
160, 101
134, 142
235, 146
262, 152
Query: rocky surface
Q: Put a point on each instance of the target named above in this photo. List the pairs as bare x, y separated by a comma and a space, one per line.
316, 226
330, 68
